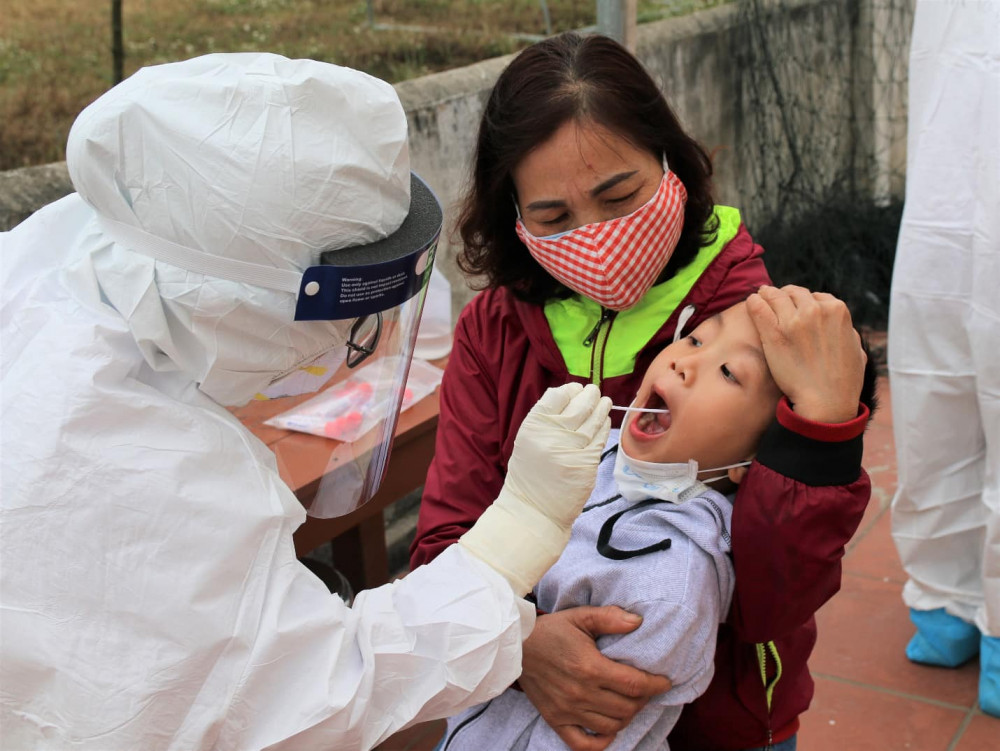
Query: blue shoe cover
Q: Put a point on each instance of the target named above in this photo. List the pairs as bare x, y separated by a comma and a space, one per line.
942, 639
989, 675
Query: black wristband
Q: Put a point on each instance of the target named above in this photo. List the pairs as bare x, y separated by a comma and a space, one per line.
809, 461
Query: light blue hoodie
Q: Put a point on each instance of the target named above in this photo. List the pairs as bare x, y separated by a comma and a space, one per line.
682, 593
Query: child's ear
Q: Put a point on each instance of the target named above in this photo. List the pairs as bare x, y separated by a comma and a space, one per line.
736, 474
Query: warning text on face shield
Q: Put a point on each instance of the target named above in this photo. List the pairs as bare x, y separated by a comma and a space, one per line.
354, 289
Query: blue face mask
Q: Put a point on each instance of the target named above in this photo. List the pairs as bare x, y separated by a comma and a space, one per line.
650, 483
675, 482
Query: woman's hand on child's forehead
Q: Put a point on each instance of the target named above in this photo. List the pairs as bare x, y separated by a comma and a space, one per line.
812, 349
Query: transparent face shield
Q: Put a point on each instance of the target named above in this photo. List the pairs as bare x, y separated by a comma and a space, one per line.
338, 455
332, 445
331, 421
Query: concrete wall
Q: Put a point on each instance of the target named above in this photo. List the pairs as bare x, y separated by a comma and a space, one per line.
24, 191
701, 62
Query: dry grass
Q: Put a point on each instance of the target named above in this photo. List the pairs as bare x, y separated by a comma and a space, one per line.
55, 54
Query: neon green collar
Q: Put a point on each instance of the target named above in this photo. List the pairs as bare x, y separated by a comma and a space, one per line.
573, 319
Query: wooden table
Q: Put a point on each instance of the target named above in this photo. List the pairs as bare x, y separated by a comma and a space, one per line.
359, 551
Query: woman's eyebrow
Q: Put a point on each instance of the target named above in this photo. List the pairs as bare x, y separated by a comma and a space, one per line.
611, 182
558, 203
555, 203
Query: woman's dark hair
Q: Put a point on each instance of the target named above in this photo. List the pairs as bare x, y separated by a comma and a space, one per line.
561, 79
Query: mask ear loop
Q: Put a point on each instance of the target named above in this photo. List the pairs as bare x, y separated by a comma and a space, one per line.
727, 466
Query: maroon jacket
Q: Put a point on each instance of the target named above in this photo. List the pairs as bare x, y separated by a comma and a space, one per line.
799, 504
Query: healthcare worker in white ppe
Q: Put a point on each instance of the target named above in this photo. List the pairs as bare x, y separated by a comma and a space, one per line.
245, 227
944, 342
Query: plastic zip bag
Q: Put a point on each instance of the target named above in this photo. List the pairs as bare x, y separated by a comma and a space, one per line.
351, 408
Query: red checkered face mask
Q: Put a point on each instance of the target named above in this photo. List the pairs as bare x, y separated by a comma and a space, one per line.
615, 262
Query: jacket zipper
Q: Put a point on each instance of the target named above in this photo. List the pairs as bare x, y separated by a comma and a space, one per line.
763, 674
762, 650
606, 315
599, 340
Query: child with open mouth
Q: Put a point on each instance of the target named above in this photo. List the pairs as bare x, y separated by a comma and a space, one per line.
654, 538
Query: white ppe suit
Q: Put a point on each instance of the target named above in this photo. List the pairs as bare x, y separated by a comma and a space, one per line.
151, 597
944, 324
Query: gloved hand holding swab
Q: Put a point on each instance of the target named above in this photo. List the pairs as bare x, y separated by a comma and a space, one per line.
551, 473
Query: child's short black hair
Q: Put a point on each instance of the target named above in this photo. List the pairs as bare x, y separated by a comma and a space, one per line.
869, 382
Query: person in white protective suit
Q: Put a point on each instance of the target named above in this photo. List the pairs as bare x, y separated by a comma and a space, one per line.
151, 597
944, 343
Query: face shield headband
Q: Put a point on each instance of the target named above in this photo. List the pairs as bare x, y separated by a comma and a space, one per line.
379, 288
332, 290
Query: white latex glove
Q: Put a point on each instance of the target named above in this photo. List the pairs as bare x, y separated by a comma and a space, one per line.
550, 476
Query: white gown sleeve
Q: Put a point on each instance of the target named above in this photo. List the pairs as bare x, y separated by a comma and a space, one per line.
445, 637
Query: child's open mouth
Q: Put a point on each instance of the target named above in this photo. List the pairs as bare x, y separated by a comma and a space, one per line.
651, 424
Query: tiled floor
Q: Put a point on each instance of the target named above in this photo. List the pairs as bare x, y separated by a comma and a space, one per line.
869, 697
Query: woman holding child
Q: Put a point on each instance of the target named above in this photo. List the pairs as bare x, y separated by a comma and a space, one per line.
591, 218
